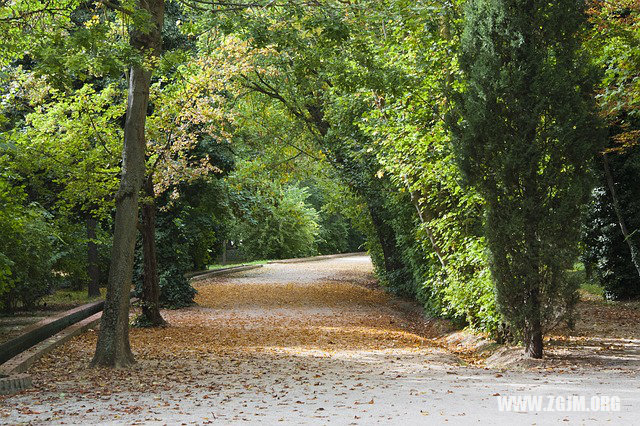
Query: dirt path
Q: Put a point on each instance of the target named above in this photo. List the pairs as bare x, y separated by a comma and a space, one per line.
303, 343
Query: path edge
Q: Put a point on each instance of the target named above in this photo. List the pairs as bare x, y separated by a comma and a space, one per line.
201, 275
314, 258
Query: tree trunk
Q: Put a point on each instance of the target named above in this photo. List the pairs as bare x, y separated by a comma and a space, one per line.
533, 331
387, 239
224, 252
532, 308
424, 220
534, 346
92, 257
618, 211
150, 284
113, 348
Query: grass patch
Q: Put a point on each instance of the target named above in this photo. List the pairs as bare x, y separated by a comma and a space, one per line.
230, 265
71, 297
589, 288
593, 289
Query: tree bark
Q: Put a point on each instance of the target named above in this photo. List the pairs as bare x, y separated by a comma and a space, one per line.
533, 330
618, 211
387, 239
113, 348
534, 344
150, 284
415, 199
532, 252
92, 257
224, 252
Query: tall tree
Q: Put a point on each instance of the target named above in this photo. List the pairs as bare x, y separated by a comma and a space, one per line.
615, 43
302, 56
526, 139
113, 348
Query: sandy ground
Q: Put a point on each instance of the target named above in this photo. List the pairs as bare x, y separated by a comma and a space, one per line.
304, 343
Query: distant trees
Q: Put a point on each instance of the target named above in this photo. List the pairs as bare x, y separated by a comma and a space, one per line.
607, 254
458, 140
26, 242
526, 141
612, 237
277, 223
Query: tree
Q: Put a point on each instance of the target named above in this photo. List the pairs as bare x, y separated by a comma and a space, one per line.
113, 347
60, 57
188, 109
367, 81
276, 221
614, 42
608, 245
319, 40
437, 222
76, 136
25, 246
525, 139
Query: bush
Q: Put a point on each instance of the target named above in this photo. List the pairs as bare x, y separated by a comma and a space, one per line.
189, 234
26, 250
336, 233
278, 225
71, 255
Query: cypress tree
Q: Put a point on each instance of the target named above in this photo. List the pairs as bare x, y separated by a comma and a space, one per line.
525, 138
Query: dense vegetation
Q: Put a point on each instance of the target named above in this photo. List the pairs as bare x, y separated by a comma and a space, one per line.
477, 149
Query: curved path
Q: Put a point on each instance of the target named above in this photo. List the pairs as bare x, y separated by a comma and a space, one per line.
301, 343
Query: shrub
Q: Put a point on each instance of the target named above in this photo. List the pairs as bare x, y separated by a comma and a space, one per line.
26, 250
279, 225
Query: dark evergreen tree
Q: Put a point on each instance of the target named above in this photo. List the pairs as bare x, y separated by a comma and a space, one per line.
525, 141
607, 255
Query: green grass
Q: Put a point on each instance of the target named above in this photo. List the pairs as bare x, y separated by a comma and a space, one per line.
71, 297
593, 289
588, 287
229, 265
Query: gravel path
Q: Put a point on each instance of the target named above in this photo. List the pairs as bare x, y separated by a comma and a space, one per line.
304, 343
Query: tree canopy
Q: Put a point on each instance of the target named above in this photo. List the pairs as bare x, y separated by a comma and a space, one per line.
460, 143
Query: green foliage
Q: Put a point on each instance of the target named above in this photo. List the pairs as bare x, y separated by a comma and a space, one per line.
68, 148
276, 223
606, 253
26, 249
614, 42
525, 141
173, 262
442, 246
27, 22
70, 251
333, 121
336, 233
368, 84
189, 235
